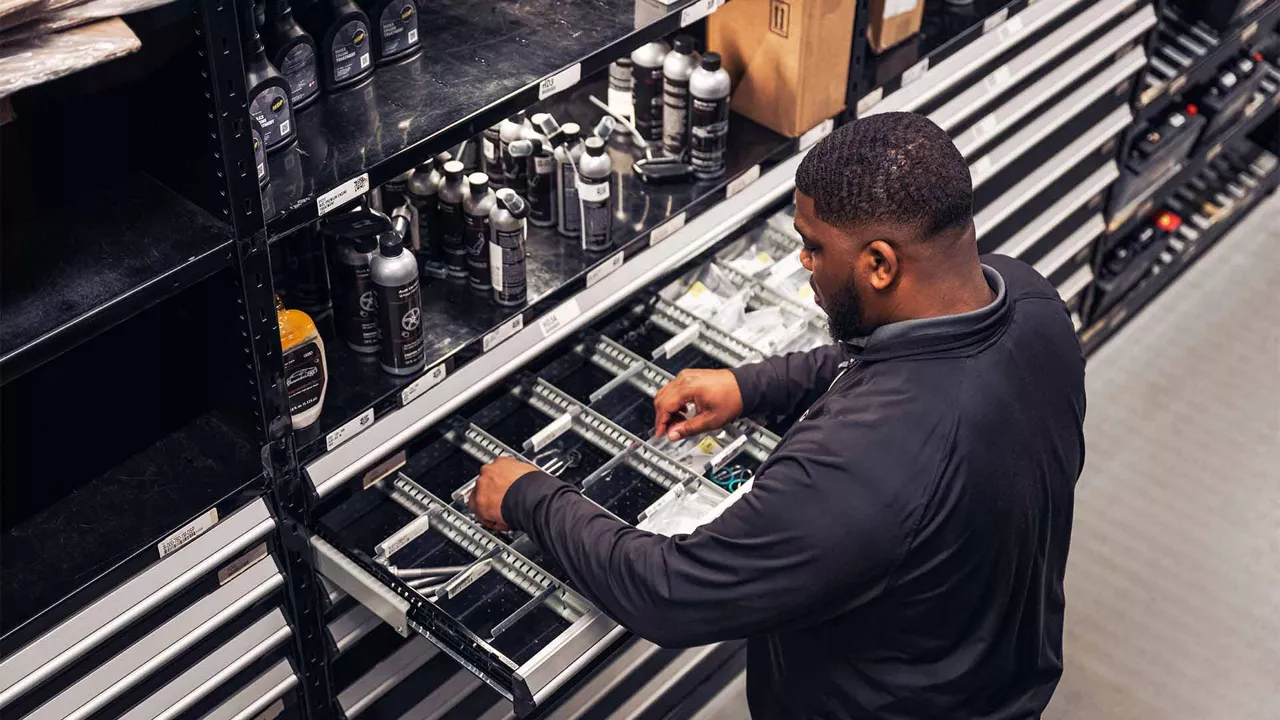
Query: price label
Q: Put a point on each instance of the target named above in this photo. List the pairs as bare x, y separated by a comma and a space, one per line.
816, 133
740, 183
870, 100
558, 318
998, 77
343, 194
604, 269
1009, 29
994, 21
698, 10
428, 380
915, 72
191, 531
504, 331
666, 229
353, 428
562, 80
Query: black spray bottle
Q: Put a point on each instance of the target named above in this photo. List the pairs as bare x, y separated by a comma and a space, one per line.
293, 51
394, 273
507, 248
268, 91
395, 29
341, 32
355, 297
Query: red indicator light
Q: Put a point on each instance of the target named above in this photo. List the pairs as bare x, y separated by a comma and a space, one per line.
1167, 221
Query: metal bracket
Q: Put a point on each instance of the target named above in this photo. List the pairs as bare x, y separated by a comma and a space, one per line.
362, 586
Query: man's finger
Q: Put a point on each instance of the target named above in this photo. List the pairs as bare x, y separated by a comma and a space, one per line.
692, 426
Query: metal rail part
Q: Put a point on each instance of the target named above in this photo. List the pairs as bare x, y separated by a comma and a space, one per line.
714, 342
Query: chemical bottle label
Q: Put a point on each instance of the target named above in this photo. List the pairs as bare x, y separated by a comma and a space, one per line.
299, 68
400, 320
540, 192
476, 240
399, 28
709, 134
647, 91
259, 153
304, 378
351, 49
507, 266
272, 110
571, 213
597, 215
359, 299
455, 252
675, 115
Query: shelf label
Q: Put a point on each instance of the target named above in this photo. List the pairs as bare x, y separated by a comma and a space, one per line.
354, 427
995, 20
242, 563
428, 380
698, 10
558, 318
562, 80
741, 182
816, 133
666, 229
605, 269
998, 77
1009, 29
980, 167
870, 100
193, 530
915, 72
504, 331
894, 8
986, 127
343, 194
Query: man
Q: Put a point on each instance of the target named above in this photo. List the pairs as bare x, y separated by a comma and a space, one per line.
901, 554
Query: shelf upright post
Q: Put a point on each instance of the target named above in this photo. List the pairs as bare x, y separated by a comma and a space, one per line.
857, 63
237, 181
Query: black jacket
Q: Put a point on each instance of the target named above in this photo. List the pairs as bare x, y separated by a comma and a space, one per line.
902, 552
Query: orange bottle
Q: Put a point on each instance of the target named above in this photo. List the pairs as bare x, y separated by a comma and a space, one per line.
306, 372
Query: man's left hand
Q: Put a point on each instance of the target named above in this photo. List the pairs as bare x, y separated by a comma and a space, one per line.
495, 479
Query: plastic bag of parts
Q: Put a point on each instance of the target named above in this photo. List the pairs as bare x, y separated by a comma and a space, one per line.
696, 451
789, 278
29, 62
681, 510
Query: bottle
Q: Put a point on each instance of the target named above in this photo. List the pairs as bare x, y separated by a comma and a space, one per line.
507, 248
709, 87
267, 90
306, 269
646, 88
568, 151
676, 69
259, 154
595, 170
395, 276
509, 131
475, 233
341, 31
395, 29
293, 51
542, 180
519, 154
619, 94
355, 297
306, 372
490, 159
450, 193
424, 191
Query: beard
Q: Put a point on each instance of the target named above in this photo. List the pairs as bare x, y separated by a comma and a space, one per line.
844, 313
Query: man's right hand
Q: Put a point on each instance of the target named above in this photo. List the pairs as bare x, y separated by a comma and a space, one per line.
714, 394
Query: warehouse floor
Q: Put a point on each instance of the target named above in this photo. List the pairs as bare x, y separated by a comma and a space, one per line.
1173, 585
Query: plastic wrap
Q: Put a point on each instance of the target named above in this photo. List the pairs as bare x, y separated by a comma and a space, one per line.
38, 60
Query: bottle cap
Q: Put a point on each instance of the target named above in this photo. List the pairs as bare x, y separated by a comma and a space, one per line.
516, 117
604, 128
547, 124
425, 166
595, 146
683, 44
571, 129
454, 168
443, 158
520, 148
711, 62
536, 145
514, 204
390, 244
478, 181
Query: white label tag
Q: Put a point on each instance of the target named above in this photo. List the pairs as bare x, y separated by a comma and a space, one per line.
553, 430
741, 182
816, 133
605, 269
242, 563
504, 331
870, 100
558, 318
193, 530
697, 11
364, 61
403, 536
284, 127
680, 341
429, 380
894, 8
464, 581
562, 80
1009, 29
495, 266
986, 126
994, 21
915, 72
593, 192
998, 77
544, 165
343, 194
354, 427
980, 167
666, 229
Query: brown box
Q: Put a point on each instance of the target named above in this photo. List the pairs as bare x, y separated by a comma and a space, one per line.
789, 59
893, 21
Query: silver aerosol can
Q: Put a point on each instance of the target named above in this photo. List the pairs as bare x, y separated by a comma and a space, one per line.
542, 181
646, 88
476, 205
508, 230
490, 142
595, 170
709, 87
519, 153
395, 275
509, 131
424, 193
568, 149
676, 69
619, 94
452, 190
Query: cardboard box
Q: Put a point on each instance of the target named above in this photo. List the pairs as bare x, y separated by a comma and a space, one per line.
893, 21
789, 59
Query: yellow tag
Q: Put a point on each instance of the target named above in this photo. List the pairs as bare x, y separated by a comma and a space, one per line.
697, 289
709, 445
805, 292
763, 259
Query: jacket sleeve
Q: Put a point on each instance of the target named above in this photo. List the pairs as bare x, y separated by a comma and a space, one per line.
801, 546
784, 384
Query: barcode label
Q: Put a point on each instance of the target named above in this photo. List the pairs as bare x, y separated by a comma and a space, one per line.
343, 194
1000, 76
816, 133
740, 183
193, 530
605, 269
559, 317
666, 229
698, 10
352, 428
915, 72
504, 331
562, 80
986, 126
1009, 29
429, 380
994, 21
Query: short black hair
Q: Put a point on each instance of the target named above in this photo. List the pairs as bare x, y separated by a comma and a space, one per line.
894, 168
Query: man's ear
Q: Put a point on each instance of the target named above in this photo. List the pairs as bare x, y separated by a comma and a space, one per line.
882, 263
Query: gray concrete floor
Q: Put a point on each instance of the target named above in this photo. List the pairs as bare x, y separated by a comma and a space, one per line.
1173, 584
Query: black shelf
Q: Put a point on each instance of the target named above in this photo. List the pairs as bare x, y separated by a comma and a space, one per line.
87, 261
456, 319
481, 62
80, 545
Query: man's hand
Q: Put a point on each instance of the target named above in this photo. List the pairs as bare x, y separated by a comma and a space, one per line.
714, 394
495, 479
